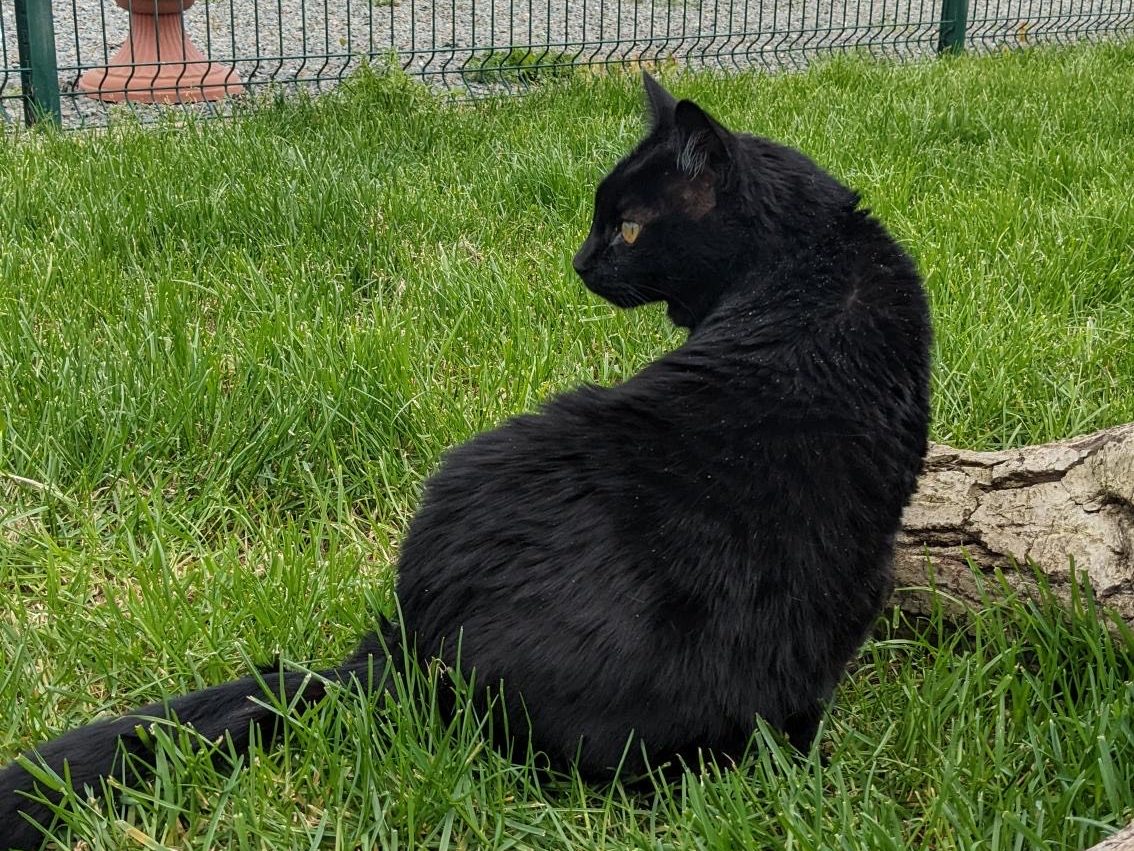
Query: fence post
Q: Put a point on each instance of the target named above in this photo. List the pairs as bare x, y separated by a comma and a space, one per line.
954, 19
39, 76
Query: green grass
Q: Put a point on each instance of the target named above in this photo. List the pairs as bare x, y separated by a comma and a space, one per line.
230, 352
519, 67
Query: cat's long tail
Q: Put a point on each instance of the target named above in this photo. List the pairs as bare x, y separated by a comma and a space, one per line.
103, 749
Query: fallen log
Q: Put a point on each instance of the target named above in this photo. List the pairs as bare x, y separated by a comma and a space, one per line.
1050, 505
1121, 841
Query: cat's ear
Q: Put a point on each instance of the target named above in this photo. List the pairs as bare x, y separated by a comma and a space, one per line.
659, 102
700, 140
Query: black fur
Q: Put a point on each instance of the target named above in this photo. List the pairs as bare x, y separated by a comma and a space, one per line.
666, 559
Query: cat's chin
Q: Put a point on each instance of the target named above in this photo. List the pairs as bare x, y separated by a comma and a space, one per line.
626, 298
619, 296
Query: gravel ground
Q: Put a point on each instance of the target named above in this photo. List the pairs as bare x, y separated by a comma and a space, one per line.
445, 42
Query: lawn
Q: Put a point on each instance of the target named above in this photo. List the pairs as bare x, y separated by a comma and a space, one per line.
230, 352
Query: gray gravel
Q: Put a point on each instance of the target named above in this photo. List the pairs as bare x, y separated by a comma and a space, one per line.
438, 39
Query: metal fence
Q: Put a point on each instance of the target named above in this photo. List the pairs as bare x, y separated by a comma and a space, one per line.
73, 60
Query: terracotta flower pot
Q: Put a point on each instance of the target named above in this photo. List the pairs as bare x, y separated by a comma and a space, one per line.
158, 63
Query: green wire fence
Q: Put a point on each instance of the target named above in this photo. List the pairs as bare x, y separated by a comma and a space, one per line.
71, 61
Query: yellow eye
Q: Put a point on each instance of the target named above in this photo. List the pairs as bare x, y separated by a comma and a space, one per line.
630, 231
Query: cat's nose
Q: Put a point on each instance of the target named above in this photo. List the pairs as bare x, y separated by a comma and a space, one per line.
582, 259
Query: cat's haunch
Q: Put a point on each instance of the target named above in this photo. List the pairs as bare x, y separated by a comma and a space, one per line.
649, 567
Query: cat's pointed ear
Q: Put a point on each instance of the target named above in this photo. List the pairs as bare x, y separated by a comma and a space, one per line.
700, 139
659, 102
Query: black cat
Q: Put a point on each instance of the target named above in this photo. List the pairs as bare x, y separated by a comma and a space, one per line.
661, 561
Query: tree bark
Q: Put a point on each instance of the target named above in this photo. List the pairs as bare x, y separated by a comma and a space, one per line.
1049, 504
1121, 841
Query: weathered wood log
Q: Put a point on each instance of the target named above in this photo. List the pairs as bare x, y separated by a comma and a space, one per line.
1121, 841
1049, 504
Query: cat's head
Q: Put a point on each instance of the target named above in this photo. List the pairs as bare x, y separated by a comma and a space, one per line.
661, 215
685, 213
